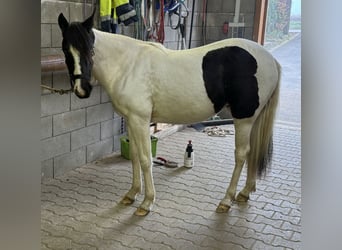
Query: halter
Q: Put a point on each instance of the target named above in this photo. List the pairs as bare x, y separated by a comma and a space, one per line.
64, 91
73, 78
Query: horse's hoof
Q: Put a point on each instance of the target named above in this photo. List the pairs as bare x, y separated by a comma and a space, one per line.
127, 201
222, 208
141, 212
242, 198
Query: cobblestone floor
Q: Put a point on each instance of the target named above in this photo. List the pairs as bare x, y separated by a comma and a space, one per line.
80, 210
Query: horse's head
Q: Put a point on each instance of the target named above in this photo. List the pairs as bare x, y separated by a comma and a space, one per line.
77, 45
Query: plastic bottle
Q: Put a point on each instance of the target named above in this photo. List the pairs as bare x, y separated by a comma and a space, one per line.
189, 156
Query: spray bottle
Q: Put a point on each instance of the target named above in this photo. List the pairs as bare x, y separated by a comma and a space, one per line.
189, 156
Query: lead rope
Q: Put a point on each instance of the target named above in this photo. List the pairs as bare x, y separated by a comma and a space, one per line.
53, 90
160, 28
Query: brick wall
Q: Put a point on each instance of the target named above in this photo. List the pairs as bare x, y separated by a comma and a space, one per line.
76, 131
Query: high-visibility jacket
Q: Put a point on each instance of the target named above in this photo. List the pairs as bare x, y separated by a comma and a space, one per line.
113, 12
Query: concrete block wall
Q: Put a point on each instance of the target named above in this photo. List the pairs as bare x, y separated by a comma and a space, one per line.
73, 131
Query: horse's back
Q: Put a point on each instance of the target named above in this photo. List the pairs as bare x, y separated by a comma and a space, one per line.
191, 85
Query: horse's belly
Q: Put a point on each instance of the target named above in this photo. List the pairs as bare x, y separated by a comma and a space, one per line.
183, 112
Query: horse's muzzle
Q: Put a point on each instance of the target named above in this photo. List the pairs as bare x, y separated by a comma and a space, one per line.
82, 90
84, 95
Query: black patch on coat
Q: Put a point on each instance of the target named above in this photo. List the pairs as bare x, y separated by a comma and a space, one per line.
229, 77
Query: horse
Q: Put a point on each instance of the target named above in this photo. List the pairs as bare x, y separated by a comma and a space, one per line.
147, 82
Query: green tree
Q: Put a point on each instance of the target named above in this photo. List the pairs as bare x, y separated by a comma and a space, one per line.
278, 18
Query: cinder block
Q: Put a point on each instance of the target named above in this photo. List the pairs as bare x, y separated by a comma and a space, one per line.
68, 121
198, 19
104, 96
248, 33
45, 127
217, 19
198, 5
85, 136
46, 79
116, 115
214, 34
99, 149
106, 129
171, 45
117, 126
215, 6
54, 104
99, 113
247, 6
50, 51
94, 98
196, 34
61, 80
50, 10
47, 169
69, 161
76, 12
45, 39
227, 6
55, 146
249, 20
117, 142
56, 36
170, 34
196, 43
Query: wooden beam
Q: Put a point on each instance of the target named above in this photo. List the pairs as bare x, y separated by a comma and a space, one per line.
260, 21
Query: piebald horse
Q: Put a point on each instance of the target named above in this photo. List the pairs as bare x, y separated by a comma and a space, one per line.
147, 82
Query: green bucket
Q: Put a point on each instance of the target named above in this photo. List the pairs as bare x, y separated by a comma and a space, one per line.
125, 147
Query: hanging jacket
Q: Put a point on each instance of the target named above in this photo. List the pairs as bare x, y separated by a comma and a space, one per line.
113, 12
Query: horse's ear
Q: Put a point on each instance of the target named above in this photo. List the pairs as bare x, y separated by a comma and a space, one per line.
89, 22
62, 22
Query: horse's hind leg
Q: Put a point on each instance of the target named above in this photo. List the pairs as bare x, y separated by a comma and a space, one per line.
242, 138
250, 186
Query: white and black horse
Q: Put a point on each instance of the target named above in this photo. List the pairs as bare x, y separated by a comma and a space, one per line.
147, 82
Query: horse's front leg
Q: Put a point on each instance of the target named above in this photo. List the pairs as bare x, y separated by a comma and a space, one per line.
140, 136
131, 195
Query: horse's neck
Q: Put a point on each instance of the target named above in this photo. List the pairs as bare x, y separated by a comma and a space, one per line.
112, 53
